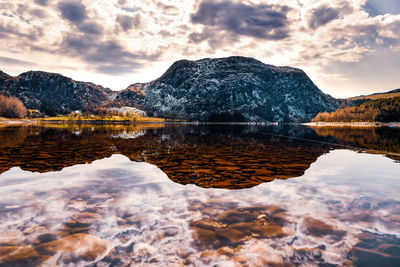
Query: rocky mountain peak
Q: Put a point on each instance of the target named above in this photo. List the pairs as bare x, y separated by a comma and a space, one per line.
237, 88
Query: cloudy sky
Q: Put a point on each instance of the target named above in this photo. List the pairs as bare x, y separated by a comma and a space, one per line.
346, 47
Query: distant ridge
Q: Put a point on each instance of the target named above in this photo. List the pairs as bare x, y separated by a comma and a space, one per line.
392, 93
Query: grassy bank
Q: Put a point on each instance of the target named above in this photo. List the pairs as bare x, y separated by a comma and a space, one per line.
90, 119
16, 120
106, 119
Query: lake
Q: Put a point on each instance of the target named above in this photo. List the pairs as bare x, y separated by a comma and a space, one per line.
200, 195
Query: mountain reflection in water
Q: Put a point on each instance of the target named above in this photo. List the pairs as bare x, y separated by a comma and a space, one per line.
55, 208
219, 156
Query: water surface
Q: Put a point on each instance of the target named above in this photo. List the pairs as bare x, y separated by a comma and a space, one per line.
200, 195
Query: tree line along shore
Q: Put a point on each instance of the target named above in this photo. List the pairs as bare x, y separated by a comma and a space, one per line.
376, 110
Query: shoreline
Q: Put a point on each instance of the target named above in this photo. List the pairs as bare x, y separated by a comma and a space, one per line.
352, 124
100, 122
11, 122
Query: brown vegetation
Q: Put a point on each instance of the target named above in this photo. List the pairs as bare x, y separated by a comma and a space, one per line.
12, 107
375, 96
105, 114
383, 110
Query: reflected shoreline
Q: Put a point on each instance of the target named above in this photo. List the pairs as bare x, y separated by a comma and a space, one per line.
228, 156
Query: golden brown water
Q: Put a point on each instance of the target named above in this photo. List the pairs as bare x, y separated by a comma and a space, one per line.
208, 159
161, 195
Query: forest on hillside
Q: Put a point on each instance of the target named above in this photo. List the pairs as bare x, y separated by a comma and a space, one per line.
380, 110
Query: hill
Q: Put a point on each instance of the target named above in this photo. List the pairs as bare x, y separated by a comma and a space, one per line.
231, 89
380, 110
222, 89
392, 93
53, 93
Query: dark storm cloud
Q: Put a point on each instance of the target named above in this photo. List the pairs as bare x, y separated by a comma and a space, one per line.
42, 2
325, 14
73, 11
268, 22
322, 16
107, 56
128, 22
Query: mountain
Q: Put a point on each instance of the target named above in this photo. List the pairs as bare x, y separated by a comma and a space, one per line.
389, 92
222, 89
53, 93
231, 89
392, 93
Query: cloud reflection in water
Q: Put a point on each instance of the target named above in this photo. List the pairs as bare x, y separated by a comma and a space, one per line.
115, 211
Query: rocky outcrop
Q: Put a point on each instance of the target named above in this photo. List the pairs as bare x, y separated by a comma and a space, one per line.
231, 89
53, 93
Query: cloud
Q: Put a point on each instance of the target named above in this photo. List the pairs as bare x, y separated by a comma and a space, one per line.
119, 69
92, 28
104, 55
13, 30
128, 22
322, 16
168, 9
122, 2
267, 22
214, 38
42, 2
143, 38
165, 33
39, 13
73, 11
18, 62
108, 52
131, 9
